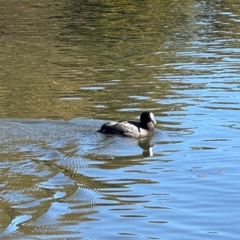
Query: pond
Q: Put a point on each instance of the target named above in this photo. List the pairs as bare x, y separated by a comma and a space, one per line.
69, 66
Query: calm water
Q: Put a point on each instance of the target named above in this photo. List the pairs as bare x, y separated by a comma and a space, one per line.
69, 66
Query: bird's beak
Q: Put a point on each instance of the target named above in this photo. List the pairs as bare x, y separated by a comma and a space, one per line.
152, 118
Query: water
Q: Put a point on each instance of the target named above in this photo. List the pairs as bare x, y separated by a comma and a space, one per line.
68, 67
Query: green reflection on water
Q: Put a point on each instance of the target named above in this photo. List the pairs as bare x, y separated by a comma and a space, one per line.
51, 52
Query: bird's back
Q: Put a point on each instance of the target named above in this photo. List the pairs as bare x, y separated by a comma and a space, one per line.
125, 128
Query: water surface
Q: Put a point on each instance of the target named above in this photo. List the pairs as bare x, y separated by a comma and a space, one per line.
69, 66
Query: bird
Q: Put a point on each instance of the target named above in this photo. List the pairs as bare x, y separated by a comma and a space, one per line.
131, 129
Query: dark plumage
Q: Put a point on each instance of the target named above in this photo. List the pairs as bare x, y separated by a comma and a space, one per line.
131, 128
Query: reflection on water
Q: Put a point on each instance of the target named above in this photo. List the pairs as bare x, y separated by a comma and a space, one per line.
83, 61
62, 161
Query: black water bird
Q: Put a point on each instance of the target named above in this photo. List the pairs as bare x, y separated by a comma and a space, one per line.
131, 128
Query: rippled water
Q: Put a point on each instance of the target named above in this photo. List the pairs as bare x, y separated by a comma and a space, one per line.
67, 67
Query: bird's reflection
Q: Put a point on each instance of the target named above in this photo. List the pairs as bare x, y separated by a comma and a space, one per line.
147, 146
